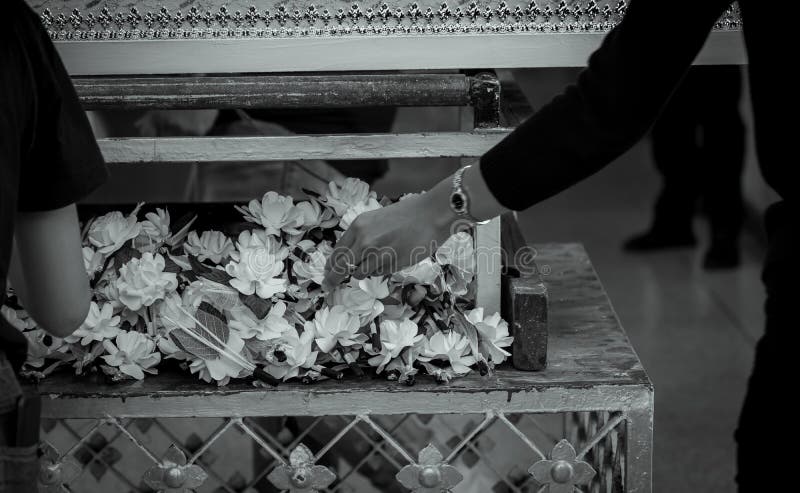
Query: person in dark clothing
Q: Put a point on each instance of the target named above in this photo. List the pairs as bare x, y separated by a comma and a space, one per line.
48, 160
698, 147
614, 102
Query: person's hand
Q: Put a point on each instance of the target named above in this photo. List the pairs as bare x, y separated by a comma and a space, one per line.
386, 240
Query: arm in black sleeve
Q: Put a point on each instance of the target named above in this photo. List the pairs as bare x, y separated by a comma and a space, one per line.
612, 105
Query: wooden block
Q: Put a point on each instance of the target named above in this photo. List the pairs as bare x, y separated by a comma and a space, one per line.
525, 309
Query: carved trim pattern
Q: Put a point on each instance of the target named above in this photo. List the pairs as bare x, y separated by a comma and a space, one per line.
476, 17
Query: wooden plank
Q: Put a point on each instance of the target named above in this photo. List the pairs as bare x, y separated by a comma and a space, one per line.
299, 147
591, 366
355, 53
296, 91
488, 258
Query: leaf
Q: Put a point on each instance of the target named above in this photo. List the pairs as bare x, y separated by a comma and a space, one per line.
183, 231
310, 193
221, 296
259, 306
125, 255
215, 322
466, 328
171, 266
202, 270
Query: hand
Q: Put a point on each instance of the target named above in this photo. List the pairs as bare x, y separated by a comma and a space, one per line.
388, 239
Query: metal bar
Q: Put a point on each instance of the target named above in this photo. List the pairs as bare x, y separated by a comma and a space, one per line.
639, 448
259, 441
601, 433
487, 420
521, 436
210, 441
333, 441
389, 439
298, 147
273, 91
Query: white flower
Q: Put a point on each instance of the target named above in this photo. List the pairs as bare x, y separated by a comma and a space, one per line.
426, 273
211, 245
177, 311
458, 252
290, 352
275, 212
134, 353
362, 297
143, 281
155, 228
270, 327
257, 267
493, 335
313, 269
452, 347
315, 216
109, 232
41, 345
17, 320
100, 324
356, 210
332, 326
92, 260
352, 191
223, 368
395, 336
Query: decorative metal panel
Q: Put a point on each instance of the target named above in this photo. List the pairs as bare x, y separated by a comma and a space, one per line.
161, 19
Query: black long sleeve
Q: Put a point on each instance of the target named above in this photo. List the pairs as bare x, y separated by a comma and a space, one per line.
614, 102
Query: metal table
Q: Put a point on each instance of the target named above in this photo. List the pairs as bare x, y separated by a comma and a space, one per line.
595, 394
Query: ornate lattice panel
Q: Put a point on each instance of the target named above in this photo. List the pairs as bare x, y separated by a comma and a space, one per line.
493, 452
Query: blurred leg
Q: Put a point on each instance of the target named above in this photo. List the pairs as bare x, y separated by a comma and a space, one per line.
675, 152
762, 441
723, 143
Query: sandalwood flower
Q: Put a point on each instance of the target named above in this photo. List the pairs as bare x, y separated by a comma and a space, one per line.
493, 335
426, 272
134, 353
92, 260
395, 336
275, 213
109, 232
290, 352
257, 268
142, 281
333, 326
100, 324
315, 216
17, 320
270, 327
352, 191
223, 368
313, 268
362, 297
451, 347
356, 210
211, 245
41, 345
155, 228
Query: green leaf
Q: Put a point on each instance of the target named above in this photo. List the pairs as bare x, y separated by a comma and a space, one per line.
171, 266
215, 323
221, 296
202, 270
125, 255
259, 306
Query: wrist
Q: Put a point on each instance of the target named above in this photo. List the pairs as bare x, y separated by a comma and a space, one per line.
437, 204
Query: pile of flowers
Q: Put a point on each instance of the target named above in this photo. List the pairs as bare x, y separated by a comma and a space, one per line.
254, 306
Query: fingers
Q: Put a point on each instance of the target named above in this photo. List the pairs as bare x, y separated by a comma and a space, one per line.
342, 261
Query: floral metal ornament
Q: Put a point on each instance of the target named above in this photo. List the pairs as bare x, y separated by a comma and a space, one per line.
431, 474
173, 475
56, 471
301, 475
563, 472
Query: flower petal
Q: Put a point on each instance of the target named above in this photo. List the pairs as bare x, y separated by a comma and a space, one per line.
563, 451
321, 477
583, 472
409, 476
541, 471
279, 477
430, 456
175, 455
450, 476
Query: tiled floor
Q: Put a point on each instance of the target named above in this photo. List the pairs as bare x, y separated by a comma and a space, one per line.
694, 331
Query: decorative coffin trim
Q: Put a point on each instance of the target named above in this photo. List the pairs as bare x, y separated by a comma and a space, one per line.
475, 17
